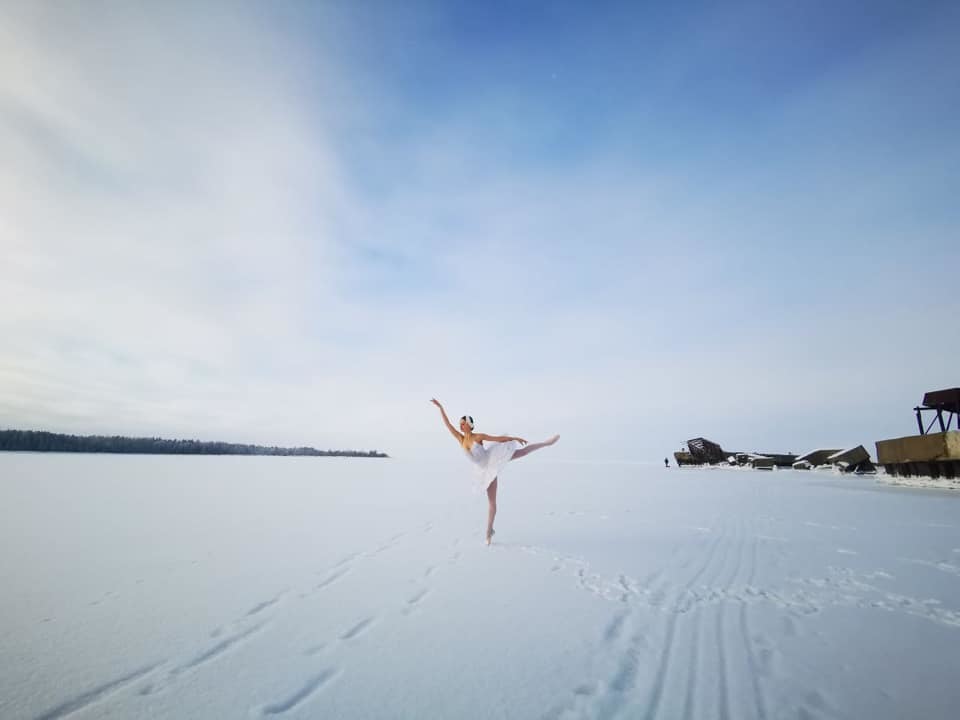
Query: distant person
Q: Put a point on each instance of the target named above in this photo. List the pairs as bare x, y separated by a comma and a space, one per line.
666, 463
489, 460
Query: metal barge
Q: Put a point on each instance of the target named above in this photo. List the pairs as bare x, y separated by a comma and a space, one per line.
932, 454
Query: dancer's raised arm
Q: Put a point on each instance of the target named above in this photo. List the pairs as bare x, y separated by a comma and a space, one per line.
446, 421
499, 438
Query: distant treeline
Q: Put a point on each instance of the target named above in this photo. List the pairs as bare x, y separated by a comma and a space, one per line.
39, 441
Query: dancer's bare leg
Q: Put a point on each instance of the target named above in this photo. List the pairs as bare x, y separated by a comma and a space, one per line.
492, 497
517, 454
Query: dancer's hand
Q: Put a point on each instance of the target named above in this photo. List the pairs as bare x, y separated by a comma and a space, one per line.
520, 440
437, 403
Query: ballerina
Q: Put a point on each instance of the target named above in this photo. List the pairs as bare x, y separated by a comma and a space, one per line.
488, 461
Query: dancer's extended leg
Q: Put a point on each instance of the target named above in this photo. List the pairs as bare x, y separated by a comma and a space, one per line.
517, 454
492, 497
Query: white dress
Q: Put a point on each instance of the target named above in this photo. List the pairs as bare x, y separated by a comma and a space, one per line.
488, 460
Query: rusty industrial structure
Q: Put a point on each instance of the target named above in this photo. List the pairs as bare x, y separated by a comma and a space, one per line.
939, 402
700, 451
705, 452
934, 454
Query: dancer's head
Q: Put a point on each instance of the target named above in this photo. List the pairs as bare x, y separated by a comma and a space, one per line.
466, 424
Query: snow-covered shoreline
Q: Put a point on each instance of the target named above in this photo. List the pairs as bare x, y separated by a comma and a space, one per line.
919, 482
880, 476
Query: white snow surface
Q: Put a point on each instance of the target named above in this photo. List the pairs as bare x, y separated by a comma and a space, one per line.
248, 587
920, 481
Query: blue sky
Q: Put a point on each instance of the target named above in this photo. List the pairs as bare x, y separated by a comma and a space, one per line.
628, 223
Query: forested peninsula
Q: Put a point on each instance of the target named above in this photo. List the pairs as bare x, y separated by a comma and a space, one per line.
39, 441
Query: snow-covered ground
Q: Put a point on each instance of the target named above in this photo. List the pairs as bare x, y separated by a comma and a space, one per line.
205, 587
940, 483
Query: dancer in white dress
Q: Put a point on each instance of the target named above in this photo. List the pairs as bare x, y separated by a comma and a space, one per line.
489, 459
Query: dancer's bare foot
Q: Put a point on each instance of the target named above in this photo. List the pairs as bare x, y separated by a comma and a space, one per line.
490, 533
552, 440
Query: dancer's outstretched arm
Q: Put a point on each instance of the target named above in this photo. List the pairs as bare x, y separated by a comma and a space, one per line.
446, 421
499, 438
